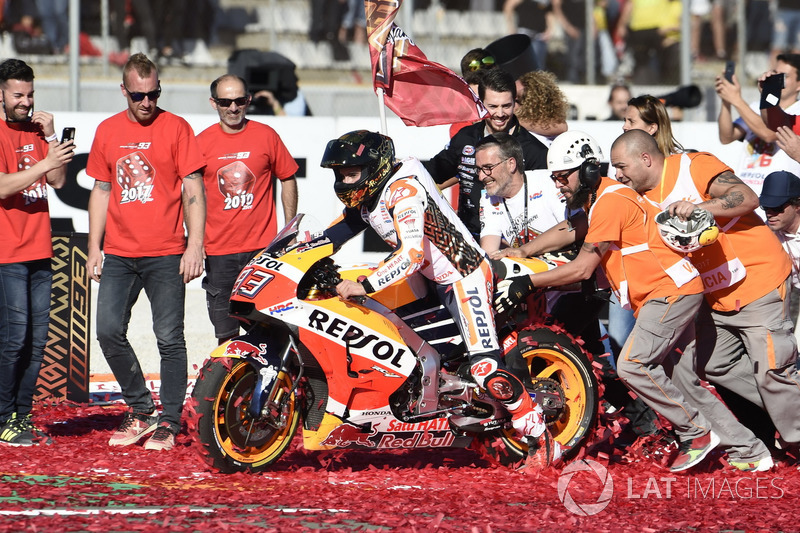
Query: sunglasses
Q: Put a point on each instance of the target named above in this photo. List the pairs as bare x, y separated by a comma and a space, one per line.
477, 64
138, 97
561, 177
227, 102
780, 209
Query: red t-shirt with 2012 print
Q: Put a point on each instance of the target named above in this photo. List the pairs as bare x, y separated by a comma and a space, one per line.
239, 175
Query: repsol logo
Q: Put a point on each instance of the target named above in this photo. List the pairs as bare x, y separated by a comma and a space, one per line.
268, 262
482, 325
354, 336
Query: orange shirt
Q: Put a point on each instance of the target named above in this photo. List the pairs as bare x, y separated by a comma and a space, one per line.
619, 218
767, 264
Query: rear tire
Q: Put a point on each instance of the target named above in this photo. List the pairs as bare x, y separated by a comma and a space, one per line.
558, 359
233, 441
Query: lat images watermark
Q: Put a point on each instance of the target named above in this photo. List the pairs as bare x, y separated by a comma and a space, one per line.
586, 487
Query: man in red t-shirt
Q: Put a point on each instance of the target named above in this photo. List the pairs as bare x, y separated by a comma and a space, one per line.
30, 159
243, 159
147, 168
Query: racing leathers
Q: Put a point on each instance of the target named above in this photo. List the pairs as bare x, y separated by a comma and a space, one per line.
427, 236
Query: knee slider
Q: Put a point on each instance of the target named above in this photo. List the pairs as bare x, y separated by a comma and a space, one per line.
503, 386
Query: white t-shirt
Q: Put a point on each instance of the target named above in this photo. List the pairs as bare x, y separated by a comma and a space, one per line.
791, 243
505, 217
760, 158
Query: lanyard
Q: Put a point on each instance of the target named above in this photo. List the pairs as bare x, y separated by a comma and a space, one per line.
524, 225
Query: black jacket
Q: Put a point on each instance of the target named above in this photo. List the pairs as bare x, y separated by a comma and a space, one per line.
458, 159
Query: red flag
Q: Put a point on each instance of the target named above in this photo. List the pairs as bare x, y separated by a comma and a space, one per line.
419, 91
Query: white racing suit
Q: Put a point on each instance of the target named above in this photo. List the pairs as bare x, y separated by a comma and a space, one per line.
427, 236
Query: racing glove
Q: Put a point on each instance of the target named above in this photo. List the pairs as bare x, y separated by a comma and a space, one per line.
512, 292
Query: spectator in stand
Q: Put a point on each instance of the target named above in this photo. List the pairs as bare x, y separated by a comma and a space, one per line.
541, 105
639, 25
714, 10
571, 16
55, 22
618, 101
30, 159
533, 18
456, 163
243, 160
171, 16
760, 155
785, 29
126, 16
647, 113
147, 210
354, 23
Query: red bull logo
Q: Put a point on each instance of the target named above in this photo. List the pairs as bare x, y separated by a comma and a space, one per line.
349, 435
240, 348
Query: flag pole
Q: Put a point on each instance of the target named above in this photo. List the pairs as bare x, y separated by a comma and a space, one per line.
382, 110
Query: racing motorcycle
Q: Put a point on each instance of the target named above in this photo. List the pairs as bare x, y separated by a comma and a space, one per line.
385, 372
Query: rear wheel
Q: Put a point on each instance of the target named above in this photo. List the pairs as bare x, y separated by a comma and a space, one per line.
232, 440
564, 384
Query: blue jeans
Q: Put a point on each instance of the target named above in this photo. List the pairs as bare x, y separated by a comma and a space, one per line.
24, 321
122, 281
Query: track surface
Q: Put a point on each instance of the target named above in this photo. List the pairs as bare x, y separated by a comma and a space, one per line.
80, 484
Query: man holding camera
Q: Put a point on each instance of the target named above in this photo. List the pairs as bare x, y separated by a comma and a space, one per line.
761, 154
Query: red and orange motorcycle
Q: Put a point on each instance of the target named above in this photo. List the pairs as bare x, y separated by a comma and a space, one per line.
387, 372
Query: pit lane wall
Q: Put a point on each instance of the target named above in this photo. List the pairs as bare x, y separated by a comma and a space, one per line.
306, 138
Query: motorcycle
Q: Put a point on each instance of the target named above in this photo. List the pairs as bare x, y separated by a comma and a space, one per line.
384, 372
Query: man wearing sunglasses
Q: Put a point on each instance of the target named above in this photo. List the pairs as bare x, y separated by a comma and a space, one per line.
780, 200
146, 215
456, 163
243, 159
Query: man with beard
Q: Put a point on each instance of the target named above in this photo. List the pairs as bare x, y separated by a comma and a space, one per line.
456, 163
243, 160
658, 283
30, 159
147, 213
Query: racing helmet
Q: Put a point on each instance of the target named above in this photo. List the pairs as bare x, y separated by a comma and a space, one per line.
371, 151
571, 149
687, 235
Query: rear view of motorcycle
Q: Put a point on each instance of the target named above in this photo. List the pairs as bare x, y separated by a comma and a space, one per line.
383, 373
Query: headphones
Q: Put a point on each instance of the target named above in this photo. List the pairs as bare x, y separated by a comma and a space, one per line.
590, 171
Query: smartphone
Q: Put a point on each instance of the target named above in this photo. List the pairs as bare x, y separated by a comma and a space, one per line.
730, 68
67, 134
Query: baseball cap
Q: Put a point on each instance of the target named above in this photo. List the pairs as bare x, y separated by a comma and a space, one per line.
779, 188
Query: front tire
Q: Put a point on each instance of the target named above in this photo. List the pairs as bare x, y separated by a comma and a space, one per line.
556, 363
231, 439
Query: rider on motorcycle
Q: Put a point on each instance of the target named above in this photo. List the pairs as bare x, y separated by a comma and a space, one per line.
401, 202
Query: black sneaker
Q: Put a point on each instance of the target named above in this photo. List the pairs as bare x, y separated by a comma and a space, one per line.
20, 431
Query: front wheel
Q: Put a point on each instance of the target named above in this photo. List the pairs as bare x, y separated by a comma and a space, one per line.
564, 384
232, 440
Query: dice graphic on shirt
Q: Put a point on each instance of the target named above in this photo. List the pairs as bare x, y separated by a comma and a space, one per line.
35, 191
135, 176
236, 182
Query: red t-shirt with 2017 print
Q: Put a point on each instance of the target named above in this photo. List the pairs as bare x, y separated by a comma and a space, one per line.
145, 166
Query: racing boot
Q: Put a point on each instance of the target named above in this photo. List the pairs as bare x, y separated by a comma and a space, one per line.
543, 451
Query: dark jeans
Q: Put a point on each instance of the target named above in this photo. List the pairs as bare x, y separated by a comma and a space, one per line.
24, 321
221, 274
122, 281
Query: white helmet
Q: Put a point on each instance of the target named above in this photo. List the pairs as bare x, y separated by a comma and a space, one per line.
687, 235
570, 149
